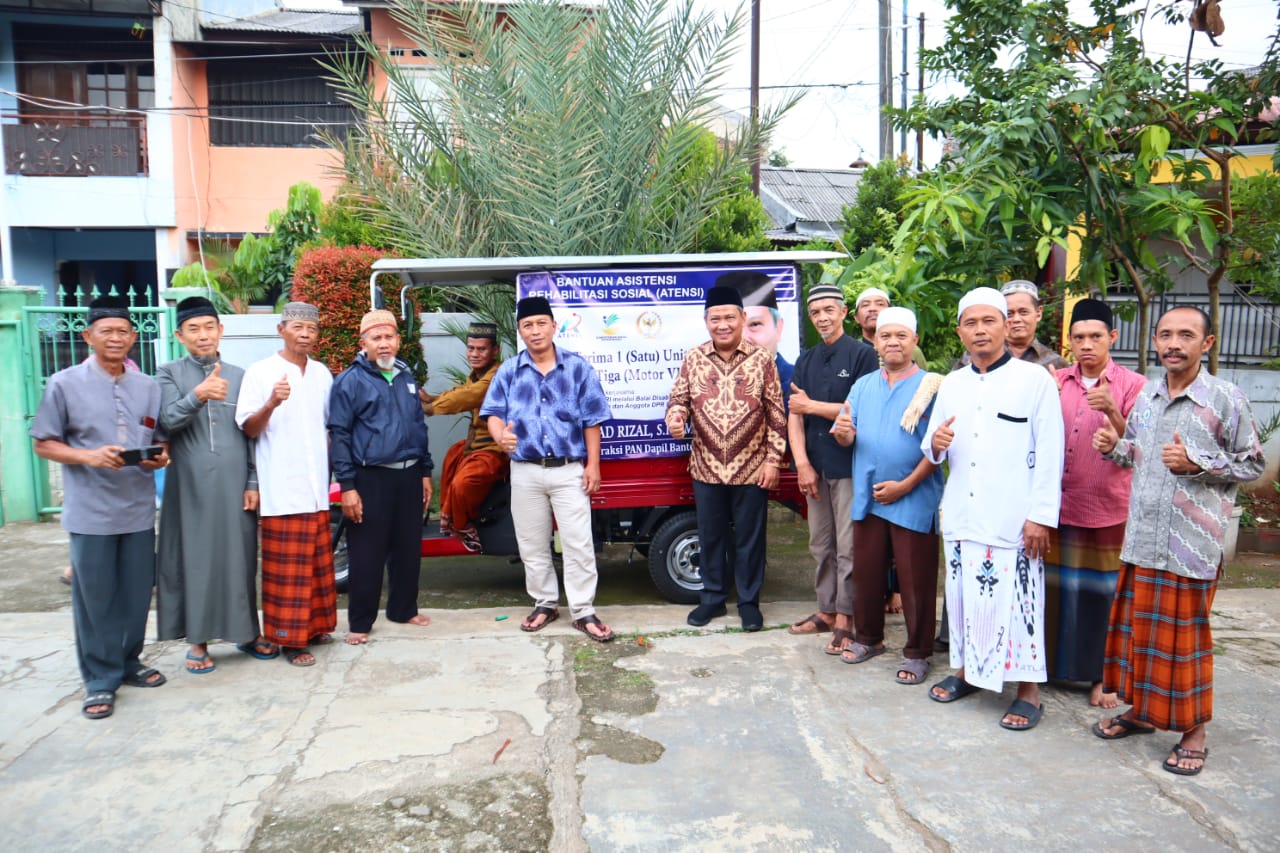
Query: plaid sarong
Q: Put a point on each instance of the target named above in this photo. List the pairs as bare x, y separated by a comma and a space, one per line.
1160, 649
299, 598
465, 481
1080, 575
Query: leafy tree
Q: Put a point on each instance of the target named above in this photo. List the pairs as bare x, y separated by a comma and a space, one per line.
737, 222
348, 220
235, 278
291, 228
552, 130
1064, 131
1255, 247
778, 158
875, 215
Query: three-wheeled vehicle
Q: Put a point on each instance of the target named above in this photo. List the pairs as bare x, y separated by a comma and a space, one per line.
633, 317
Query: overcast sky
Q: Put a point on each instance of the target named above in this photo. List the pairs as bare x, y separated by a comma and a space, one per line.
813, 42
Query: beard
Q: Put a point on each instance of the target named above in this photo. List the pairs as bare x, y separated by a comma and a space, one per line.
386, 362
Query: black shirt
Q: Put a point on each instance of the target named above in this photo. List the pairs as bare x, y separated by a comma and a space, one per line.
826, 373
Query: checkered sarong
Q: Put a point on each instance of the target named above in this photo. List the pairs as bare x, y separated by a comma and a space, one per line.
1160, 649
299, 599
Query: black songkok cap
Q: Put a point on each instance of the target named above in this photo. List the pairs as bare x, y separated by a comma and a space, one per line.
195, 306
720, 295
483, 330
756, 288
1092, 309
106, 307
533, 306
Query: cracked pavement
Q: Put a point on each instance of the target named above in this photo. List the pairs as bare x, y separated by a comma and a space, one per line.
471, 735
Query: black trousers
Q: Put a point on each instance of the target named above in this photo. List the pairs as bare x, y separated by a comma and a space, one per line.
738, 549
390, 536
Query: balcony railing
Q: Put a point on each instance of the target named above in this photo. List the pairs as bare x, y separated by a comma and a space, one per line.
74, 145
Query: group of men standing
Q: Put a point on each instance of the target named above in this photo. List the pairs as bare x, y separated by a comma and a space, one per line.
251, 455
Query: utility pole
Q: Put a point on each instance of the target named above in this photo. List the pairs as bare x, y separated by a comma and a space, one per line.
755, 95
902, 135
920, 68
885, 34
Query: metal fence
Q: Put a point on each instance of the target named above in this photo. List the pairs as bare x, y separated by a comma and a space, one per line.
1249, 335
52, 340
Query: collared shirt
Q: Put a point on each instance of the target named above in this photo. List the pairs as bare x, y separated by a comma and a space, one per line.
468, 397
826, 373
1095, 493
883, 450
1006, 457
292, 453
550, 412
735, 410
1177, 522
86, 407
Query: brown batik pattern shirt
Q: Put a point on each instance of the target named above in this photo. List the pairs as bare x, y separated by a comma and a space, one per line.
735, 409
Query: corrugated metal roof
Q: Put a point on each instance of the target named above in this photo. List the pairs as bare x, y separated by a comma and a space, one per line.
816, 195
295, 21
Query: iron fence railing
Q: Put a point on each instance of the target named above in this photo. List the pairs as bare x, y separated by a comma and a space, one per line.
1249, 333
74, 144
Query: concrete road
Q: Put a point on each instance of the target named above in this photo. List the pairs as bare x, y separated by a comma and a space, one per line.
470, 735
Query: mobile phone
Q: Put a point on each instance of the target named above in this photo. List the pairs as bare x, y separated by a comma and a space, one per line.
137, 454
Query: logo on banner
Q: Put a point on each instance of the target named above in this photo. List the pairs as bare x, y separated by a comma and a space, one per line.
649, 324
609, 322
569, 328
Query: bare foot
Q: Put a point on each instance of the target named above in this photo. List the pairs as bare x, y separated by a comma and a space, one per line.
356, 639
1100, 699
894, 604
420, 619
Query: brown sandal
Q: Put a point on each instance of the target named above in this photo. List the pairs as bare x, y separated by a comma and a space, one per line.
838, 641
581, 625
820, 625
550, 613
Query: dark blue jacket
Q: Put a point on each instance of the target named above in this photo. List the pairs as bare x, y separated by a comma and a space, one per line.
373, 421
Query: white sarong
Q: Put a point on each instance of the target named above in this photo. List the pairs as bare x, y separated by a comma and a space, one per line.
995, 603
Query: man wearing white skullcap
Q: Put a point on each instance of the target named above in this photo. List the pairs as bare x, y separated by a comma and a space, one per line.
998, 425
895, 497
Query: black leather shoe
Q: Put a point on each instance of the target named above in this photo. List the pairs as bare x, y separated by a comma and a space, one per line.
704, 613
752, 620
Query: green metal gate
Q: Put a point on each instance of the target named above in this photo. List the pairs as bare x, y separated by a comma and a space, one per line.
52, 340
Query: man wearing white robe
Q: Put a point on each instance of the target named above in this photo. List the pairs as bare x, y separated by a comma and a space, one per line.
998, 424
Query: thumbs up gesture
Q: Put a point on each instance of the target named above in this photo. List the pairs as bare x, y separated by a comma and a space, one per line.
675, 423
943, 436
842, 430
280, 391
799, 401
214, 387
508, 439
1099, 397
1175, 458
1105, 438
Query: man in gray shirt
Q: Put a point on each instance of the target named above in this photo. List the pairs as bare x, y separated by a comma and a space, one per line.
93, 418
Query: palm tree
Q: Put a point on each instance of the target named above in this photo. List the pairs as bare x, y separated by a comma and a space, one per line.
549, 128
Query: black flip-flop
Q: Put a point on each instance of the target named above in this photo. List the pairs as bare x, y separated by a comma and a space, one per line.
139, 678
251, 649
581, 625
1201, 755
1033, 713
292, 655
550, 612
1127, 727
957, 688
102, 697
812, 619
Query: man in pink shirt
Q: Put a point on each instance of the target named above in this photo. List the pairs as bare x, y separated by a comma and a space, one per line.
1084, 551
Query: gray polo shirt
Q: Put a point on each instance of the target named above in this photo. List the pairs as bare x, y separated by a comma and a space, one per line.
86, 407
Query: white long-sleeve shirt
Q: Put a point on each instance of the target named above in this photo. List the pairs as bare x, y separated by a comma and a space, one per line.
1006, 457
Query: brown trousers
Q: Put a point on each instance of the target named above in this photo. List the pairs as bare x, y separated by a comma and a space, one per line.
916, 554
465, 482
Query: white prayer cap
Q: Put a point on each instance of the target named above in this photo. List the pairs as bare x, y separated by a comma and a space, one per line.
983, 296
1021, 285
870, 292
896, 317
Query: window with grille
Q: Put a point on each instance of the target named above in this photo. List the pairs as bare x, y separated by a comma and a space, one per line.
273, 103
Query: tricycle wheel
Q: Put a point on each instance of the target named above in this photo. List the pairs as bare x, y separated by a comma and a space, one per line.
341, 560
674, 559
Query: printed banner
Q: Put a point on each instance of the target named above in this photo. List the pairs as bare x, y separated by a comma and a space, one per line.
635, 326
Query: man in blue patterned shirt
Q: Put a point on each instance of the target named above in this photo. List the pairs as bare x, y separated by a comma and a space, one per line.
544, 409
1191, 441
